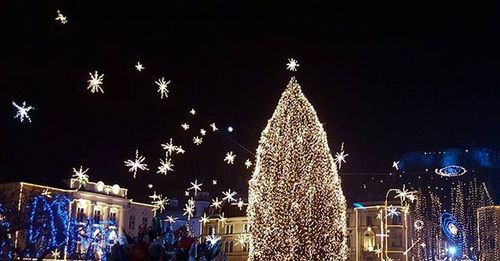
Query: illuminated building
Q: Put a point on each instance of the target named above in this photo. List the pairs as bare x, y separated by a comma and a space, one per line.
98, 201
488, 233
363, 241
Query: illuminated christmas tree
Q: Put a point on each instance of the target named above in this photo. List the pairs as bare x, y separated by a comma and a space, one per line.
296, 207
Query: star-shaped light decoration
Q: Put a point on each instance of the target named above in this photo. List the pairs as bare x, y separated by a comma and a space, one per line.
214, 182
195, 186
248, 163
340, 157
222, 218
395, 164
136, 164
169, 147
162, 87
95, 82
189, 209
22, 111
379, 215
159, 203
292, 65
405, 194
216, 203
203, 132
229, 195
214, 128
55, 254
392, 211
185, 126
229, 157
60, 17
186, 193
154, 196
180, 150
165, 166
204, 219
46, 193
171, 219
81, 176
212, 239
242, 239
192, 112
197, 140
139, 67
378, 252
240, 204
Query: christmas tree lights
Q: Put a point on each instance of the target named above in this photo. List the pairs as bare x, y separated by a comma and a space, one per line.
297, 210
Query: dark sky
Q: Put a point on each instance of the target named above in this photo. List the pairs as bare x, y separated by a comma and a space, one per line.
385, 79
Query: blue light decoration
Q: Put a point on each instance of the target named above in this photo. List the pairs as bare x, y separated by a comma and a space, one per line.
6, 246
358, 205
453, 233
451, 171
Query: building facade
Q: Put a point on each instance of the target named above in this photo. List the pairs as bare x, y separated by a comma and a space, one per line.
371, 235
98, 202
488, 233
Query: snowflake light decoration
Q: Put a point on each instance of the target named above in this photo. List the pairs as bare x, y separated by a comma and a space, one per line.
22, 111
395, 164
203, 132
216, 203
154, 196
292, 65
139, 67
165, 166
248, 163
405, 194
169, 147
171, 219
81, 176
185, 126
197, 140
214, 182
242, 239
162, 87
158, 202
55, 254
195, 186
392, 211
229, 157
95, 82
189, 209
212, 239
340, 157
192, 112
180, 150
229, 195
240, 204
47, 193
222, 219
136, 164
214, 128
204, 219
60, 17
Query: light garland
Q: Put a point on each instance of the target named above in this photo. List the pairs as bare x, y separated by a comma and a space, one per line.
297, 210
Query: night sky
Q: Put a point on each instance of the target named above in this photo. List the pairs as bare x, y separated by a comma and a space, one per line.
385, 79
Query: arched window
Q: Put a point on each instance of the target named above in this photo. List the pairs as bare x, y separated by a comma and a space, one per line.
369, 240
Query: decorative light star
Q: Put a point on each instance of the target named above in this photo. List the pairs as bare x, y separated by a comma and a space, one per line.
248, 163
139, 67
22, 111
162, 87
80, 175
55, 254
204, 219
203, 132
154, 196
192, 111
47, 193
136, 164
189, 209
404, 194
171, 219
214, 128
340, 157
169, 147
185, 126
197, 140
180, 150
242, 240
216, 203
150, 186
392, 211
229, 157
292, 65
95, 82
378, 252
214, 182
229, 196
212, 239
186, 193
159, 203
60, 17
195, 186
222, 218
240, 204
165, 166
395, 164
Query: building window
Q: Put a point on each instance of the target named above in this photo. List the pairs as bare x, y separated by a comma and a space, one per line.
349, 235
245, 228
80, 214
211, 230
369, 221
145, 221
229, 229
228, 247
112, 217
131, 222
231, 246
97, 215
369, 240
396, 220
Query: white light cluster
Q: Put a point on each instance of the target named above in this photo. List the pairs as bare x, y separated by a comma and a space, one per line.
136, 164
22, 111
95, 82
